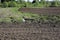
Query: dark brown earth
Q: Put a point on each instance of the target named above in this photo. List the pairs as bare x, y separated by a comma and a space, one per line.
43, 11
31, 31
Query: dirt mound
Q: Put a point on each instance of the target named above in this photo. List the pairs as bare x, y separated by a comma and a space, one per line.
44, 11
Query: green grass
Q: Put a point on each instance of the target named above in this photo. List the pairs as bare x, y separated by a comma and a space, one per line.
6, 13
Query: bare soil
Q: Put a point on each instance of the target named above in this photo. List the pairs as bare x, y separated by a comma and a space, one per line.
43, 11
29, 31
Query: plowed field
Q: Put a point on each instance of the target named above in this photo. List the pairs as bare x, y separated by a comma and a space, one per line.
44, 11
31, 31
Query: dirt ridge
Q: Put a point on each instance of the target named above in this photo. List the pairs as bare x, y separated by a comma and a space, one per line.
44, 11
